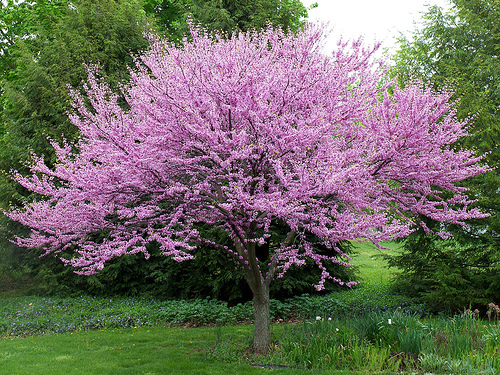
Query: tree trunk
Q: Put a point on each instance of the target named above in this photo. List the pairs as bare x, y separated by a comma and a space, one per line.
262, 322
260, 291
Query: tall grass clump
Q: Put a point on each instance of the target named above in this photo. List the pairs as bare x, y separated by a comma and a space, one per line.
331, 344
392, 341
462, 344
375, 341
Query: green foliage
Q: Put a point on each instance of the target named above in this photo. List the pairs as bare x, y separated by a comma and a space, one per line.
209, 274
37, 315
459, 50
226, 15
245, 15
47, 54
445, 274
170, 16
24, 20
37, 101
34, 315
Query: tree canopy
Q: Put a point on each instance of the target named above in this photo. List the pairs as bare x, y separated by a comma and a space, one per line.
48, 43
37, 98
246, 134
24, 20
227, 15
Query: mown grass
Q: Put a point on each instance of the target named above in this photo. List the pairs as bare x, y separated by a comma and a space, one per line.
372, 266
117, 351
153, 350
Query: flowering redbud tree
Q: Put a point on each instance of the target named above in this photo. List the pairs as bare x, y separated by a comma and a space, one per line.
245, 134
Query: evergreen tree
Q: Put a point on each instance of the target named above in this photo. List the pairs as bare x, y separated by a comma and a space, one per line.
459, 50
227, 15
45, 48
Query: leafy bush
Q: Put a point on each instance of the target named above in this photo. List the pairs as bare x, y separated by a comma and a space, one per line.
209, 274
34, 315
358, 301
447, 275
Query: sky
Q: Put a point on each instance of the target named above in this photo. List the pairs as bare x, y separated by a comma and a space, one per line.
376, 20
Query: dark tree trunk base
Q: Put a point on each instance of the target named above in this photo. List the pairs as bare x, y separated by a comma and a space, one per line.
262, 323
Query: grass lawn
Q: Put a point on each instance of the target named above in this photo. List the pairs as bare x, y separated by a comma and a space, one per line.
372, 267
153, 350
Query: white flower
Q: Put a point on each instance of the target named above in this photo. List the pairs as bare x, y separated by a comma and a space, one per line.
389, 321
329, 319
336, 329
318, 318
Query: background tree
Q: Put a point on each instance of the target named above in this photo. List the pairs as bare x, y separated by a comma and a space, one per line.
24, 20
18, 21
248, 135
45, 49
227, 15
459, 49
170, 16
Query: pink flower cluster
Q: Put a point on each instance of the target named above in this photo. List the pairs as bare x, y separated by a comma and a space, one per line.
241, 134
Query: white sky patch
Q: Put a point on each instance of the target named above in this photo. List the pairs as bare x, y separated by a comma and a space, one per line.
375, 20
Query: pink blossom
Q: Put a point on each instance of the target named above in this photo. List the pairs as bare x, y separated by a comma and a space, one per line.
243, 134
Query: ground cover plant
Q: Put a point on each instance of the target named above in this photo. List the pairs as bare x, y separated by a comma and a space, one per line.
26, 316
